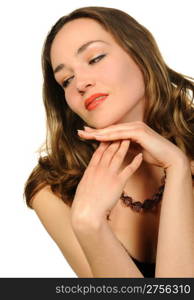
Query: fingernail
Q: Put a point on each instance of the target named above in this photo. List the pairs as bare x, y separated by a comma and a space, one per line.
88, 128
139, 156
84, 132
80, 131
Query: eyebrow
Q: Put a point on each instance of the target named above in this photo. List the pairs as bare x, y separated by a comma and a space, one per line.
79, 51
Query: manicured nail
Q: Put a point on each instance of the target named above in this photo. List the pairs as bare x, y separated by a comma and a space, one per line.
88, 128
84, 132
139, 156
80, 131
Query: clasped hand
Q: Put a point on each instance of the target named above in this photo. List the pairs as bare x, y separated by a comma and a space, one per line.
104, 178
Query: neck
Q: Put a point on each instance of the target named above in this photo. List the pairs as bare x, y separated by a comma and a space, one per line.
145, 180
144, 168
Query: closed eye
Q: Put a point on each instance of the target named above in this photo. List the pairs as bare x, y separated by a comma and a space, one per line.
96, 59
66, 82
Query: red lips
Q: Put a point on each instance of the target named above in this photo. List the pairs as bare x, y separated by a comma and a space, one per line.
92, 98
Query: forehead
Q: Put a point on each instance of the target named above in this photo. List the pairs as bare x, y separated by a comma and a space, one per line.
75, 33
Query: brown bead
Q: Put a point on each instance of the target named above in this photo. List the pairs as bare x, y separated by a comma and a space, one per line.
137, 206
123, 196
127, 200
156, 200
158, 195
161, 188
148, 203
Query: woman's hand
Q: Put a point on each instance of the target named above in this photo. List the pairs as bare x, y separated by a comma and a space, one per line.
156, 149
102, 182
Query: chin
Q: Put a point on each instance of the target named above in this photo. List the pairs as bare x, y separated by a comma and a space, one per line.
100, 124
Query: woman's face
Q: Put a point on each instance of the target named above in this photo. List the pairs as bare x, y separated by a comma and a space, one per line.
92, 63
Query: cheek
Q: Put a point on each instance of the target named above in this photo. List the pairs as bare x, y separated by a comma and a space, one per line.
131, 80
71, 99
124, 76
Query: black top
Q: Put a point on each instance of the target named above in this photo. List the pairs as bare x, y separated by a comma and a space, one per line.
147, 269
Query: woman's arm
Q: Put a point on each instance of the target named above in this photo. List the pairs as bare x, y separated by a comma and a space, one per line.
97, 193
55, 215
104, 252
175, 250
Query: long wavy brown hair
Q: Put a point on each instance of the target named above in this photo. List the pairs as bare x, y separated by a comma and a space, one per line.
169, 108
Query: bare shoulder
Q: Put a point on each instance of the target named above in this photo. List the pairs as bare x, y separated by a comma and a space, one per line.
55, 215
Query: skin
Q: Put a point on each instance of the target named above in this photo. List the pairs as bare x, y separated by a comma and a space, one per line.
124, 83
117, 124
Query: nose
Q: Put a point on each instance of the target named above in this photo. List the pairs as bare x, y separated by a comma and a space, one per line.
83, 84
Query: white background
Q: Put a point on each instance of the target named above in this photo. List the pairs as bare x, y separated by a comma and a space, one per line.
26, 249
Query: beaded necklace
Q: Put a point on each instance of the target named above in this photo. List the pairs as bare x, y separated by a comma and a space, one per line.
147, 204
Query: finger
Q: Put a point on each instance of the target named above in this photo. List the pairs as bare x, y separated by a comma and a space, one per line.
119, 156
123, 126
98, 154
132, 167
109, 153
112, 136
86, 128
85, 135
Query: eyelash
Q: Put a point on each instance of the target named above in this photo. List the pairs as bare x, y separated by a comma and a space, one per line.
66, 82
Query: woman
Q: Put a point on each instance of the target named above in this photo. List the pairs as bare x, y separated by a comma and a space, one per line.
116, 197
